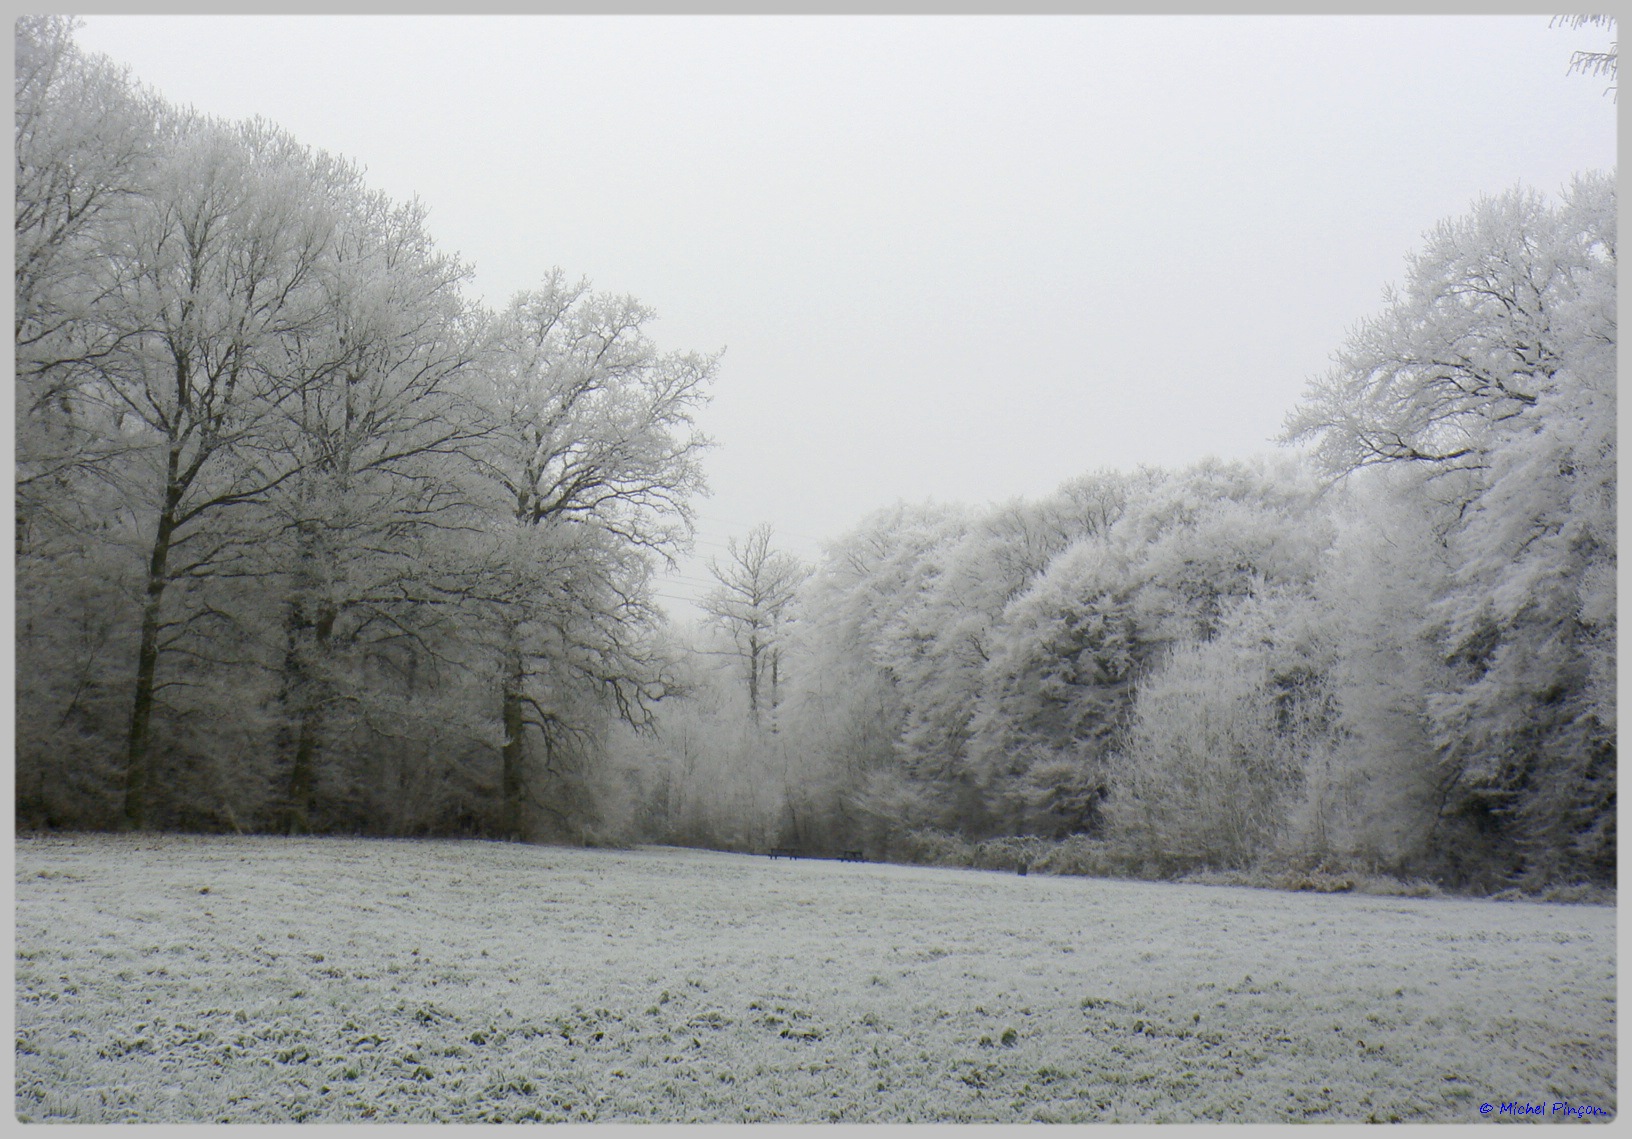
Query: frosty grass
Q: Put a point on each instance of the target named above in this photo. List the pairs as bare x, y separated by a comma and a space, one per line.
269, 980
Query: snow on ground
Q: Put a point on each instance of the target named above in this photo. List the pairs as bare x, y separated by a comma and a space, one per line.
169, 978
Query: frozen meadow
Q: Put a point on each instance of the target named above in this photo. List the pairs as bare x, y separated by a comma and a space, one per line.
171, 979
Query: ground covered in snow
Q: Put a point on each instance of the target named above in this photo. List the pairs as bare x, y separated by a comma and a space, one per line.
268, 980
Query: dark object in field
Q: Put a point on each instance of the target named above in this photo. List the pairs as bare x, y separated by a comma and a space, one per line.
1023, 868
794, 852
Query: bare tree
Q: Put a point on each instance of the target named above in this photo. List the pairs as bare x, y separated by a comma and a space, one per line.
754, 602
378, 430
1597, 63
207, 287
84, 142
593, 456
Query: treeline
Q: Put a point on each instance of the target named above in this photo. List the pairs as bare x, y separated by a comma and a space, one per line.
1397, 658
307, 540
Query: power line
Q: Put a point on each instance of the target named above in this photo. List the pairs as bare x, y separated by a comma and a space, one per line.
746, 526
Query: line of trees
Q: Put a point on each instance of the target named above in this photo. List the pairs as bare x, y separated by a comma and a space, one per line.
305, 538
1395, 657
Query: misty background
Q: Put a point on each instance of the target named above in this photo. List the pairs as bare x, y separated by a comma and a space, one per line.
1143, 447
953, 257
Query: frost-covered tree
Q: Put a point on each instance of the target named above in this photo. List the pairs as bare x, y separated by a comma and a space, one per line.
753, 602
1377, 590
378, 431
83, 148
1187, 548
84, 144
953, 624
1454, 360
210, 285
707, 775
1491, 375
291, 511
1530, 618
845, 711
1225, 745
1603, 64
591, 459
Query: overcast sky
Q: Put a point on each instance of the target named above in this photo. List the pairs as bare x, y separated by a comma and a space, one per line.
961, 258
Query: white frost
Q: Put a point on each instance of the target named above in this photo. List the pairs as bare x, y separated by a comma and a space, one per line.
333, 980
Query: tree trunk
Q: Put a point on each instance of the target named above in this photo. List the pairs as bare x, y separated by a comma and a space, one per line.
776, 664
307, 685
303, 776
514, 756
137, 773
753, 677
141, 715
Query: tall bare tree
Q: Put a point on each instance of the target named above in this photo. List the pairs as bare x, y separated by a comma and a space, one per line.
754, 602
202, 298
593, 457
379, 427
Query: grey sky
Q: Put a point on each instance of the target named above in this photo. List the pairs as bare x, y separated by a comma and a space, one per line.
954, 257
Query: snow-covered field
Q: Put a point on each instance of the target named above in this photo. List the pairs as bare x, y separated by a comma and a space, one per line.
267, 980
